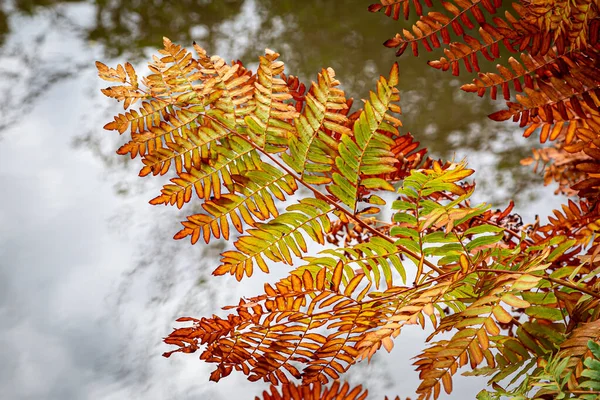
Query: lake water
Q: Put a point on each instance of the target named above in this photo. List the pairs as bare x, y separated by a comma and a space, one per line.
90, 278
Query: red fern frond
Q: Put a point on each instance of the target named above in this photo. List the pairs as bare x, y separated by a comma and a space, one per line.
435, 25
308, 322
392, 8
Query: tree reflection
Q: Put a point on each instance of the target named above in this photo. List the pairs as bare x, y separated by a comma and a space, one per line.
445, 120
3, 25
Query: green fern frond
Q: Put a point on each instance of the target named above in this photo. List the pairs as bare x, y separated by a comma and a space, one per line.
368, 152
278, 239
376, 259
592, 372
254, 202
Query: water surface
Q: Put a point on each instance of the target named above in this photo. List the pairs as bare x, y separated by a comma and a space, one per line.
90, 279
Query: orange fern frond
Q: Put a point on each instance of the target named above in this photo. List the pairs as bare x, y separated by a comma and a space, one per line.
314, 149
269, 124
308, 321
315, 391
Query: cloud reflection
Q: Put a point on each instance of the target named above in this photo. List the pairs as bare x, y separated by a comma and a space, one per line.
90, 279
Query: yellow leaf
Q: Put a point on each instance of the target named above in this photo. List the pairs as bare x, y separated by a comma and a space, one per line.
464, 263
526, 282
515, 301
502, 315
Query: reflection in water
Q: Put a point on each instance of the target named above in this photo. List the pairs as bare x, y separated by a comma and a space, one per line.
48, 47
450, 123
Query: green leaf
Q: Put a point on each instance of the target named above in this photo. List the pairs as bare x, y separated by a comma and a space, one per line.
483, 241
377, 183
401, 231
484, 228
594, 348
559, 251
439, 237
551, 314
374, 199
403, 205
405, 218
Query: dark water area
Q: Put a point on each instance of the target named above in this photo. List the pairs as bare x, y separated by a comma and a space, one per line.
90, 278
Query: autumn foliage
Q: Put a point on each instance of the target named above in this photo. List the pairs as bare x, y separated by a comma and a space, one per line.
522, 302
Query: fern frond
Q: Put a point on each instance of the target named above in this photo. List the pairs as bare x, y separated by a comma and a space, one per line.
315, 391
575, 221
129, 93
170, 127
576, 344
402, 306
435, 25
392, 8
187, 147
566, 91
575, 369
592, 372
467, 51
297, 90
313, 150
376, 259
278, 238
233, 157
175, 89
479, 332
495, 82
418, 212
567, 22
309, 322
254, 202
231, 88
572, 162
368, 152
244, 142
438, 363
270, 123
406, 151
